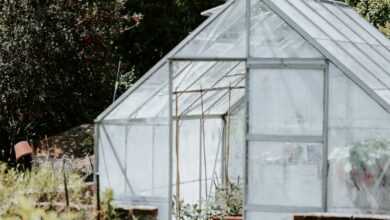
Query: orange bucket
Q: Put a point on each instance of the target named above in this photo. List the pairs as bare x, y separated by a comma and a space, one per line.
22, 148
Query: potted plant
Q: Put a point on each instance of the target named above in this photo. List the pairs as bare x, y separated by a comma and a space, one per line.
228, 204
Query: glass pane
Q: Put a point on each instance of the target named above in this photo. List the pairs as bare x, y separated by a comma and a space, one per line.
112, 159
140, 96
369, 63
224, 37
359, 149
285, 174
286, 102
209, 75
191, 159
299, 18
237, 144
376, 56
272, 37
356, 67
321, 9
320, 22
362, 33
367, 26
147, 147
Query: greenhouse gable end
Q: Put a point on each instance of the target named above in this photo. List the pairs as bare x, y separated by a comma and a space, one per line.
286, 99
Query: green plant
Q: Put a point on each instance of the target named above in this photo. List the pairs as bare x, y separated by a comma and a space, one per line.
365, 168
44, 188
229, 199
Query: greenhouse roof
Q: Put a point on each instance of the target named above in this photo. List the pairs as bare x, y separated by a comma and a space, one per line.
333, 30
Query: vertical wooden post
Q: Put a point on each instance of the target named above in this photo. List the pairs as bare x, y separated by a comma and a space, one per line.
65, 184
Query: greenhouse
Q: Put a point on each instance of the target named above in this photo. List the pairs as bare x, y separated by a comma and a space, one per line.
289, 100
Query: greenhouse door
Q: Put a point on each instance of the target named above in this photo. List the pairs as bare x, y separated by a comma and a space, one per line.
285, 140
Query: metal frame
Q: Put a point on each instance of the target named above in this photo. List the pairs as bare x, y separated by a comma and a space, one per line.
317, 64
287, 63
325, 135
282, 209
285, 138
171, 138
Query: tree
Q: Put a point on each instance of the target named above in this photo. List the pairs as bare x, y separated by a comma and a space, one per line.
165, 23
57, 64
58, 58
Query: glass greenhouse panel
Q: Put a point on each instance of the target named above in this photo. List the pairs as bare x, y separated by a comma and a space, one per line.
328, 30
359, 32
222, 84
359, 151
123, 150
271, 37
340, 31
147, 145
199, 159
150, 88
368, 62
224, 37
112, 158
353, 64
367, 26
286, 101
236, 144
285, 174
287, 8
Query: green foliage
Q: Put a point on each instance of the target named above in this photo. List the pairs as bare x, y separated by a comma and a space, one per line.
26, 210
58, 61
59, 58
376, 12
39, 194
228, 201
165, 23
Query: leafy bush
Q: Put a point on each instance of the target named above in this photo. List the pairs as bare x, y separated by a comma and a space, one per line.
44, 188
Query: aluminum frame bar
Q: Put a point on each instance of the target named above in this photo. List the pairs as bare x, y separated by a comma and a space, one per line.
171, 138
209, 89
287, 63
285, 138
204, 59
325, 135
282, 209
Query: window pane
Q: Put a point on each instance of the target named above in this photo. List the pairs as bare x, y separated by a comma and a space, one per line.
224, 37
285, 174
286, 102
359, 149
272, 37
